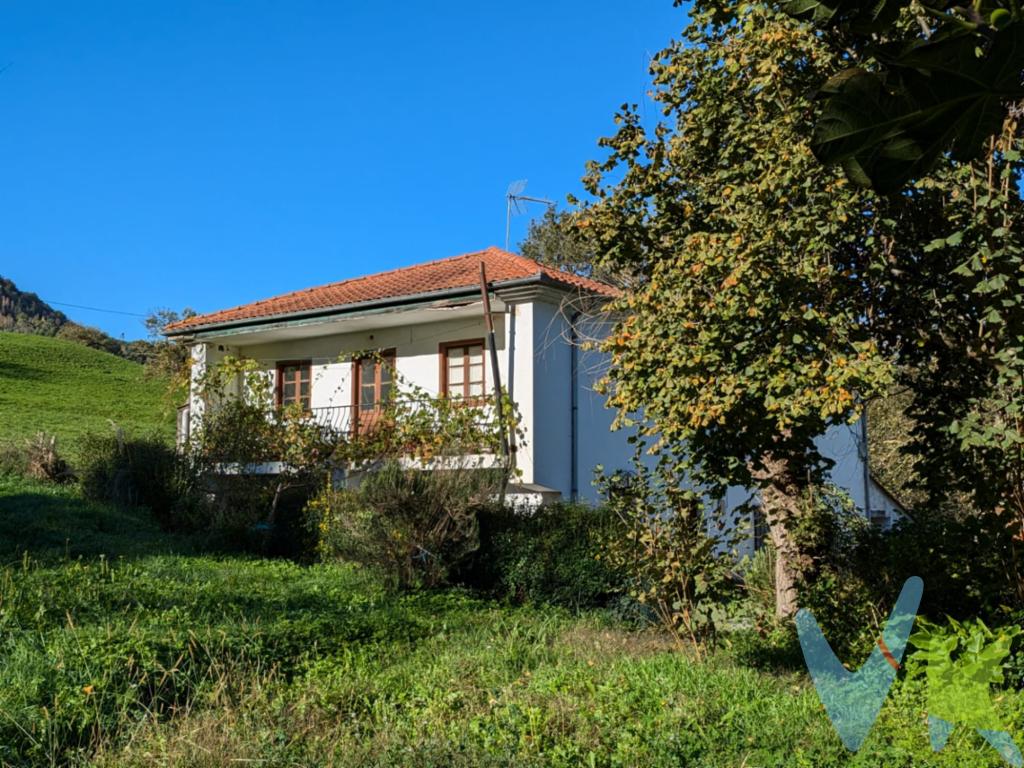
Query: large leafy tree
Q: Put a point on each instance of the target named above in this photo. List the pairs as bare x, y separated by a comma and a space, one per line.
920, 78
773, 297
748, 332
956, 321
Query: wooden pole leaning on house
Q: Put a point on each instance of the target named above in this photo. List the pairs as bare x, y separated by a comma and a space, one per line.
506, 454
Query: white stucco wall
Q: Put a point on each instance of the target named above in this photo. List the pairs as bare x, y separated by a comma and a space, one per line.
417, 350
417, 361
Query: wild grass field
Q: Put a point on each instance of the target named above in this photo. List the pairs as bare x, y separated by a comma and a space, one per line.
122, 646
69, 390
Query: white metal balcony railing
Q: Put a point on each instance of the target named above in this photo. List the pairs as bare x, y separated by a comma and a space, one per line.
343, 421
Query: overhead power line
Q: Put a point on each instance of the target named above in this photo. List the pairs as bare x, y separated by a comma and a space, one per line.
97, 309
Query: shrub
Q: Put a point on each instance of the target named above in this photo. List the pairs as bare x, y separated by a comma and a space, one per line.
412, 523
673, 563
241, 432
134, 472
966, 563
550, 556
43, 461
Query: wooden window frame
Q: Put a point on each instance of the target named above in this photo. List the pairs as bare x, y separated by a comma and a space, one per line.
442, 354
357, 376
279, 382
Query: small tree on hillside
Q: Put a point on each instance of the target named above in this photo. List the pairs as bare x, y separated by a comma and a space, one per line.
168, 358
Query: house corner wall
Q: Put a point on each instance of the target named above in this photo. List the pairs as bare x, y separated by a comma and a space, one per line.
552, 398
519, 376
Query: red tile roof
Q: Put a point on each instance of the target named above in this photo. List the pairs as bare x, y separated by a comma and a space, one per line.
441, 275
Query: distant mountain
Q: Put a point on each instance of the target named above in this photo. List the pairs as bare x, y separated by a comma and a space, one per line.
24, 312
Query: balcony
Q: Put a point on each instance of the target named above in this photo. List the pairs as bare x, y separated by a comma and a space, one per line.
340, 423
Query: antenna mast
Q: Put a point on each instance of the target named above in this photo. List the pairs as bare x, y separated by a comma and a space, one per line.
515, 204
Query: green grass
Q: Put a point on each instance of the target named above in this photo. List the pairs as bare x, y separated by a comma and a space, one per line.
51, 522
122, 647
69, 390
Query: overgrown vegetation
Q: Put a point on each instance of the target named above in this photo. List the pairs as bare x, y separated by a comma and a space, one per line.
412, 525
672, 560
114, 654
552, 555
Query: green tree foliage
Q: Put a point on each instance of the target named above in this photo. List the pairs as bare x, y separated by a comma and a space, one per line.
956, 321
557, 241
775, 299
745, 338
920, 78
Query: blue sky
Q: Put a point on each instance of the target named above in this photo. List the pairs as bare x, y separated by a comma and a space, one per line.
164, 154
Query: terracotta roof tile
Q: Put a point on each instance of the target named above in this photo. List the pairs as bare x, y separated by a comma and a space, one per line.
444, 274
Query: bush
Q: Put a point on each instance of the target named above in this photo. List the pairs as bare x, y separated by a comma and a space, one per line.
966, 563
413, 524
550, 556
42, 461
674, 562
133, 472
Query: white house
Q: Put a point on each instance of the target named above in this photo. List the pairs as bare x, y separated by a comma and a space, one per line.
428, 318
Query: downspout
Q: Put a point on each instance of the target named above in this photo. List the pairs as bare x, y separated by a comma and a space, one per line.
510, 354
864, 461
574, 485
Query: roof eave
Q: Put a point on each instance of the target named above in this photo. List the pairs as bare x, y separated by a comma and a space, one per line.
362, 306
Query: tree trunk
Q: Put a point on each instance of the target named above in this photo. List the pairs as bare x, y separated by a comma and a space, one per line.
782, 501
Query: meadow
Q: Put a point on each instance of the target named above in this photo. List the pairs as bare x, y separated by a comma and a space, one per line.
69, 390
121, 645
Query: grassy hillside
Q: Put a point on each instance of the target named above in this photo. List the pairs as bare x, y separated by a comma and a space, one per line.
70, 390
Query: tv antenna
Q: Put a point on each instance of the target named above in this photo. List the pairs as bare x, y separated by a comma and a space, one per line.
515, 204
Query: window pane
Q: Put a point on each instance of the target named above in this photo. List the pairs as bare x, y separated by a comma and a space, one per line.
304, 373
455, 373
304, 389
476, 354
476, 389
385, 371
367, 396
288, 391
305, 403
367, 371
385, 391
476, 372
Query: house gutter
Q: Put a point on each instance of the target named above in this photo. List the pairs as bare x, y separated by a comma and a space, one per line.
306, 316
